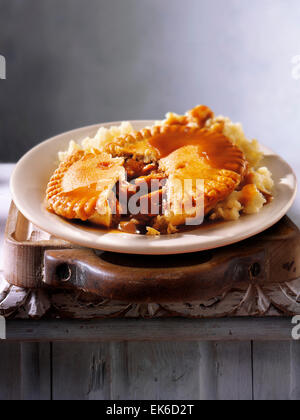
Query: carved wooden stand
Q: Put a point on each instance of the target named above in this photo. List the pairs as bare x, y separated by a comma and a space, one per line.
47, 277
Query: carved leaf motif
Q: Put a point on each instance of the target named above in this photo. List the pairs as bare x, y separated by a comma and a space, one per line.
150, 310
222, 306
251, 301
38, 304
12, 298
294, 287
245, 300
23, 303
285, 299
4, 288
70, 305
254, 303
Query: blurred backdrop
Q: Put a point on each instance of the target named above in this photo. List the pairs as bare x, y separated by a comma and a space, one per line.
76, 62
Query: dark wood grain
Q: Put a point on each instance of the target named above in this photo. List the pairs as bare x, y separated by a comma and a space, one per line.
85, 364
10, 372
35, 371
272, 257
25, 371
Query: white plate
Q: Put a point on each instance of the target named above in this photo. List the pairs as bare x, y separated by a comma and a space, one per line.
28, 185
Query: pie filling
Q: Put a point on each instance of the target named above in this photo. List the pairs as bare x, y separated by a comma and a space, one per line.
180, 172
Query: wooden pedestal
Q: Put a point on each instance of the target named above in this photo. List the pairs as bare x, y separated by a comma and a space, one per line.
47, 277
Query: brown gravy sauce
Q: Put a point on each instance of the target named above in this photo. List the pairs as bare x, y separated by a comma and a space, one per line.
82, 192
81, 195
215, 147
90, 227
248, 192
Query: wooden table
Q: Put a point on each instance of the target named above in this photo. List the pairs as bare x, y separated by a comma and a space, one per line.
154, 359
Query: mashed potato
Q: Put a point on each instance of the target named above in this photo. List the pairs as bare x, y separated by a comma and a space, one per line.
236, 134
239, 201
243, 202
103, 137
261, 177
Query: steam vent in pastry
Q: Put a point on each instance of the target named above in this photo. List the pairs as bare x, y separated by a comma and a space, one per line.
154, 180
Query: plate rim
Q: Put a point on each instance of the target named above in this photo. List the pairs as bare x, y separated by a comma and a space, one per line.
113, 247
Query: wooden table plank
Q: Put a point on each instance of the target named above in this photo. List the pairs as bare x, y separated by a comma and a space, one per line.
232, 370
81, 371
182, 371
295, 371
36, 371
10, 371
114, 330
25, 372
276, 371
155, 371
167, 371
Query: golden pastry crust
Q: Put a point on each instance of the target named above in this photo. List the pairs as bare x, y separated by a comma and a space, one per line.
77, 189
81, 188
217, 183
194, 153
136, 144
196, 146
216, 149
208, 157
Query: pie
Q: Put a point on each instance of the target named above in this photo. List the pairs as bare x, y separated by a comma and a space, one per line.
82, 187
155, 180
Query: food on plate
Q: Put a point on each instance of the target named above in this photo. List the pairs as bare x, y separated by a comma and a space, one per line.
81, 188
180, 171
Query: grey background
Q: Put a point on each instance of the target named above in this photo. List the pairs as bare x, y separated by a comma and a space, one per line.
76, 62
